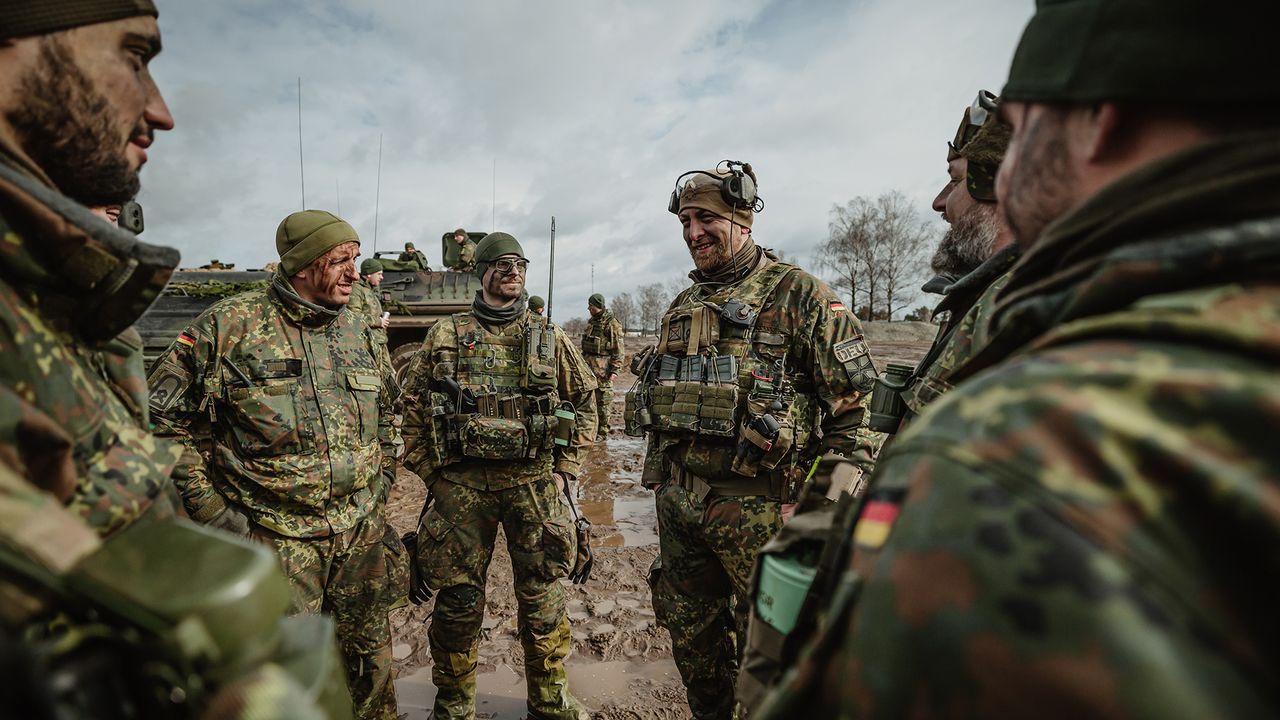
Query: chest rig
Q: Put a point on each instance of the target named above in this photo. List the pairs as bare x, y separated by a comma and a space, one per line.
717, 381
494, 395
595, 341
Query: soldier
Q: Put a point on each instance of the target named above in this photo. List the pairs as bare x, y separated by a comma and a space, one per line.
537, 305
466, 251
1085, 526
81, 479
301, 425
365, 301
489, 426
413, 255
974, 257
752, 359
602, 346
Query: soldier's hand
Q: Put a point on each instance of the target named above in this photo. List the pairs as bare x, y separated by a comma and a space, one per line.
585, 560
418, 590
232, 520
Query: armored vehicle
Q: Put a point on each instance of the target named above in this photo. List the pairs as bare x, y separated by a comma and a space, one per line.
416, 297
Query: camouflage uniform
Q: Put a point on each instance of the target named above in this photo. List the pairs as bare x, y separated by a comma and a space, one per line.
1085, 526
302, 449
75, 422
805, 348
471, 497
968, 305
602, 346
466, 256
367, 304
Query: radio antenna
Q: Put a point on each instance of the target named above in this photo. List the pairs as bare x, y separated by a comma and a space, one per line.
493, 199
302, 172
377, 197
551, 279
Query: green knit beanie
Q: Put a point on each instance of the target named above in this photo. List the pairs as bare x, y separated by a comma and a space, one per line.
370, 266
1177, 51
537, 303
304, 236
596, 300
492, 247
19, 18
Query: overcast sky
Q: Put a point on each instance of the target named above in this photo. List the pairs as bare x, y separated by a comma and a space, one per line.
589, 109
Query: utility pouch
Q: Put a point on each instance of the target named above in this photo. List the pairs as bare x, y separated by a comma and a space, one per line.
494, 438
542, 434
435, 445
591, 345
636, 415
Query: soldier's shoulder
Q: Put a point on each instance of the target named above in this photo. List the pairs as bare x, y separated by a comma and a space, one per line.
240, 308
798, 281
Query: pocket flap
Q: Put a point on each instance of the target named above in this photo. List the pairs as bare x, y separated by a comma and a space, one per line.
435, 525
364, 380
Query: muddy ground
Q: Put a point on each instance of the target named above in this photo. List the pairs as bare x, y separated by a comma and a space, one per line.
621, 666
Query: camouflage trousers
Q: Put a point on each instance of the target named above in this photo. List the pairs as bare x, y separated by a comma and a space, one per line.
702, 586
346, 576
455, 544
604, 404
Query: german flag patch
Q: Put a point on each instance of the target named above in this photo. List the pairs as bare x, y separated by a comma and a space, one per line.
836, 306
186, 339
875, 523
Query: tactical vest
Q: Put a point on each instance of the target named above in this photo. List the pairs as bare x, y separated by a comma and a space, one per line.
719, 393
596, 339
495, 397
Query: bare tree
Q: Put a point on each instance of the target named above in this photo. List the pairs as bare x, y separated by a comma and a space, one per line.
623, 307
877, 249
574, 327
653, 302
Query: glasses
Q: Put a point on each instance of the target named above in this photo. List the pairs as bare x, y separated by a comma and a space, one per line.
503, 267
982, 109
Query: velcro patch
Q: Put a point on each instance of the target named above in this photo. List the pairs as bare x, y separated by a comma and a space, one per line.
850, 349
186, 339
167, 384
875, 523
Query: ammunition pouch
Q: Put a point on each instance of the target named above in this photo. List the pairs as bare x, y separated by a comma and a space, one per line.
494, 438
439, 445
592, 345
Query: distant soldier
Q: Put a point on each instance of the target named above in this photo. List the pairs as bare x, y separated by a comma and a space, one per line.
466, 251
602, 346
537, 305
102, 586
1087, 525
302, 457
490, 426
366, 301
754, 359
413, 255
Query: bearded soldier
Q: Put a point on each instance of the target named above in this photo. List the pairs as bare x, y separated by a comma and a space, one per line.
752, 360
301, 423
99, 599
1086, 525
498, 411
975, 255
602, 346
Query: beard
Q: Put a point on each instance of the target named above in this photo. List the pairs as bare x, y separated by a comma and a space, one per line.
967, 243
1040, 183
495, 288
66, 127
718, 259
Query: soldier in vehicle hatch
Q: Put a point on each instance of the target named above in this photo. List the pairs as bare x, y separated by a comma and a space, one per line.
466, 251
752, 359
414, 255
301, 415
499, 408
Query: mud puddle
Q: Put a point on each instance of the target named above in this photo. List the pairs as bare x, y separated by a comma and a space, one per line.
610, 495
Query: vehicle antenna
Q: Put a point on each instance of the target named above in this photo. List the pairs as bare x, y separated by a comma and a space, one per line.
337, 190
377, 197
493, 199
302, 172
551, 279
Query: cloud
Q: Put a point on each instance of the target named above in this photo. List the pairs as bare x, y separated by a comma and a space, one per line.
587, 111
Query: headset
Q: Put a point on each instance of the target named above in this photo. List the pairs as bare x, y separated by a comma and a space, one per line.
737, 188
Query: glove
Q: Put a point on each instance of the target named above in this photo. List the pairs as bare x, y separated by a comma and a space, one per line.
584, 561
231, 520
418, 590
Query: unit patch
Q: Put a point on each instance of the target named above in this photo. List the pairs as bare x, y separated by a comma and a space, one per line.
850, 349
